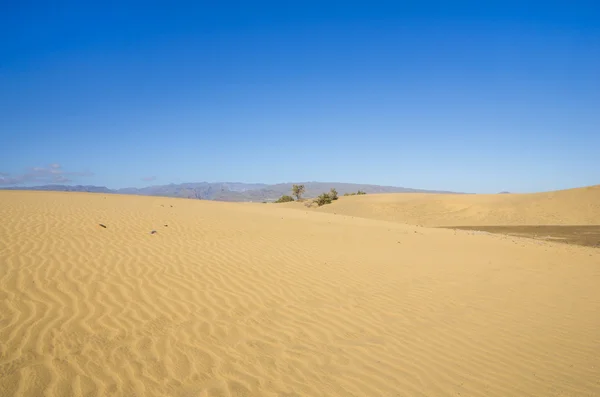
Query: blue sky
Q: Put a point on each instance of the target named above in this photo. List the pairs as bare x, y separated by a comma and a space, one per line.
460, 96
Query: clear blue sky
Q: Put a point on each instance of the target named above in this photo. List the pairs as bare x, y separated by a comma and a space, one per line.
467, 96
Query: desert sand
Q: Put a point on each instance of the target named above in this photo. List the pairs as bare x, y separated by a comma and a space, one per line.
229, 299
579, 206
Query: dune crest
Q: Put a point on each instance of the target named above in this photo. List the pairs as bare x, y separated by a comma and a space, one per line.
579, 206
259, 300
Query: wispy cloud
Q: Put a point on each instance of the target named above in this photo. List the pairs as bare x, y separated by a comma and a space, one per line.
149, 178
53, 173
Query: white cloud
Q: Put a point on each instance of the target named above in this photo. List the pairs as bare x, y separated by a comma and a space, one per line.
53, 173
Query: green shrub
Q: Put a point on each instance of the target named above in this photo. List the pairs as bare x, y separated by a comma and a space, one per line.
284, 199
323, 199
359, 193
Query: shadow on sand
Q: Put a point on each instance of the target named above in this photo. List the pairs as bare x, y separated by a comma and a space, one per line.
588, 236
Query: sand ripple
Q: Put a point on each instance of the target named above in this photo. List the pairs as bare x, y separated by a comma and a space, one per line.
256, 300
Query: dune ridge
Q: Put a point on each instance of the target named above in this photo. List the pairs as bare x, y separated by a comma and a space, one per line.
259, 300
579, 206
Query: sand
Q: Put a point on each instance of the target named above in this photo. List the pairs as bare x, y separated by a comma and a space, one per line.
231, 299
566, 207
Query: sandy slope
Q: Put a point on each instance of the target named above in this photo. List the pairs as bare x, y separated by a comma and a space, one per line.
259, 300
566, 207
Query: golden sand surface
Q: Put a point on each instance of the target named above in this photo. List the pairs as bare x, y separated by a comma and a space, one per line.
579, 206
229, 299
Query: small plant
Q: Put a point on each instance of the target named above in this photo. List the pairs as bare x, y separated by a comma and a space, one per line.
333, 194
298, 191
284, 199
359, 193
323, 199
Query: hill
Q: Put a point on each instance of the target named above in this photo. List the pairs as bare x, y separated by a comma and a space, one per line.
579, 206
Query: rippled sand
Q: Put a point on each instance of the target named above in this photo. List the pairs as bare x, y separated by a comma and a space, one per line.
228, 299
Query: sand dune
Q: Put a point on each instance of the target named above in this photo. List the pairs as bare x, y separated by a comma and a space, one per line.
566, 207
260, 300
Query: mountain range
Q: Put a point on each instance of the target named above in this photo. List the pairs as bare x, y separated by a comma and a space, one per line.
231, 191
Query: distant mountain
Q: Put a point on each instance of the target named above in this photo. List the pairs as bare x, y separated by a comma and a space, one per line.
231, 191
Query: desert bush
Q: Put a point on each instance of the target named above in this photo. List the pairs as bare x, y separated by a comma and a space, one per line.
298, 191
359, 193
323, 199
284, 199
333, 194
